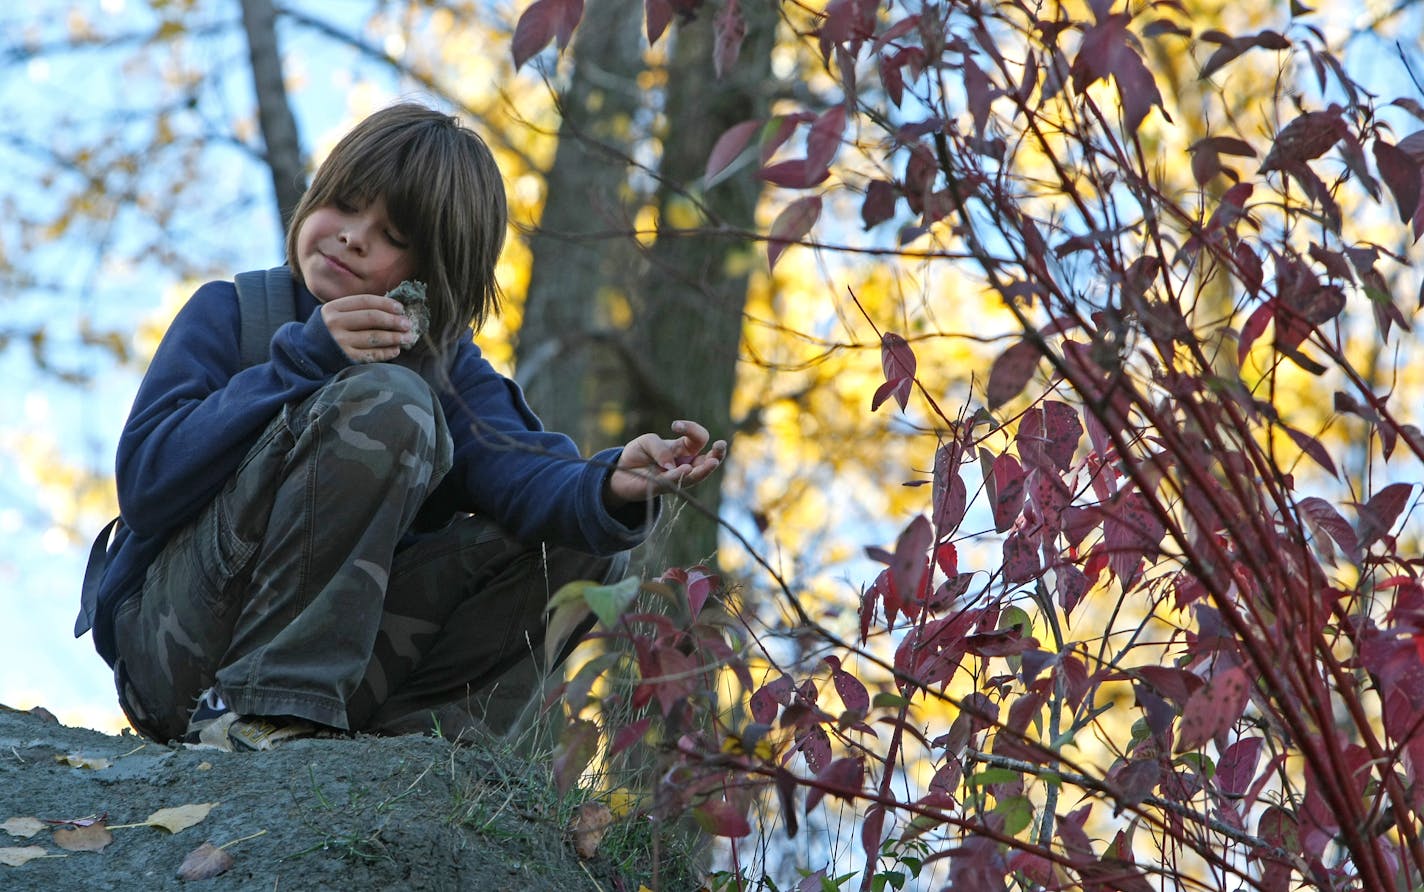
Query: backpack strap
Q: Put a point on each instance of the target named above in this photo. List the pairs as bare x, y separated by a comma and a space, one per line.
93, 570
266, 301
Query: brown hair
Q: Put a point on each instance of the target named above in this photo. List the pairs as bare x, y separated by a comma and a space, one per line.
443, 192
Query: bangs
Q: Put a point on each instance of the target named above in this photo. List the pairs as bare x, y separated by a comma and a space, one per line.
403, 168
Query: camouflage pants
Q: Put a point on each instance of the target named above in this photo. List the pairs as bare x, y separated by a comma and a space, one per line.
299, 590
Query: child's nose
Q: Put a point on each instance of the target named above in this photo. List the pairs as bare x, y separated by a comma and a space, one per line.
353, 235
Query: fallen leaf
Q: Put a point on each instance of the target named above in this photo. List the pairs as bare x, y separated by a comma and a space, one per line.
93, 838
75, 759
205, 766
588, 827
16, 857
77, 822
204, 862
180, 818
22, 827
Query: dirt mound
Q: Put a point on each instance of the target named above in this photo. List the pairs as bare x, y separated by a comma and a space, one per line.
367, 813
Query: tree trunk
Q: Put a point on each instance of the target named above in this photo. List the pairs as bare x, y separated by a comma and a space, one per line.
274, 112
581, 261
689, 316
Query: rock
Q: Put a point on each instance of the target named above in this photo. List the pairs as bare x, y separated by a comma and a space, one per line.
355, 814
411, 294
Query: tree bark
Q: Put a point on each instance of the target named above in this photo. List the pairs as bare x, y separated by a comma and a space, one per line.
567, 357
274, 111
689, 316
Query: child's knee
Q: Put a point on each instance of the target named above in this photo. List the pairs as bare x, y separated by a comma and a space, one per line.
384, 410
382, 383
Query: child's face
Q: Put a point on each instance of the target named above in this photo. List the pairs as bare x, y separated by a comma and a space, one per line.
343, 249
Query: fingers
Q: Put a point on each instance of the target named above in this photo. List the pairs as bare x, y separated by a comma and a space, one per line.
368, 327
694, 435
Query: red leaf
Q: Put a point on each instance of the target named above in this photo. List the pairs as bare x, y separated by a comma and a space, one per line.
1322, 516
868, 600
977, 95
879, 204
1062, 430
1237, 766
1312, 447
1213, 708
1248, 267
721, 818
629, 735
911, 563
1070, 584
843, 779
794, 174
1135, 781
730, 29
1378, 515
658, 14
853, 693
768, 696
1011, 372
846, 20
777, 136
871, 830
1008, 489
1104, 51
1020, 559
824, 140
816, 747
897, 361
729, 146
999, 643
947, 559
700, 583
1401, 174
950, 495
794, 221
1309, 136
542, 22
1255, 326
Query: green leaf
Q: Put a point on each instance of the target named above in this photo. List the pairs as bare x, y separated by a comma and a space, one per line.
569, 593
610, 602
994, 776
887, 699
1017, 812
1016, 616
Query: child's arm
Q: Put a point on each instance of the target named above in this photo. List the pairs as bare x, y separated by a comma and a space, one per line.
651, 464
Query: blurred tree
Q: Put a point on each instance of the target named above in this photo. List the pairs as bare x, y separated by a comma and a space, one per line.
625, 334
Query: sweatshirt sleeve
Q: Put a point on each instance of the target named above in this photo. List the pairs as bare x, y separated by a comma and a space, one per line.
196, 415
532, 482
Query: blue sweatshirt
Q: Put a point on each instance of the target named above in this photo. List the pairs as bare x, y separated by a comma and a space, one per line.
197, 413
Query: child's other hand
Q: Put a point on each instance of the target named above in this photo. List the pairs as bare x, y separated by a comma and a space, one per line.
368, 327
651, 464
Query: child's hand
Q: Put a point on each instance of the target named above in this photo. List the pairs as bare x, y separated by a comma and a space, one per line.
651, 464
368, 327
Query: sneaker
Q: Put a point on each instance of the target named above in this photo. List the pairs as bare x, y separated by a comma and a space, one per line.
214, 724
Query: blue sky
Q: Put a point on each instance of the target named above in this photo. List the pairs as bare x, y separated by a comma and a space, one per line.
102, 273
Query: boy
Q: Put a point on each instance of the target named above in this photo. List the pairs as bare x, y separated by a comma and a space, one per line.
365, 523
